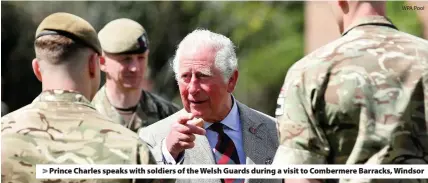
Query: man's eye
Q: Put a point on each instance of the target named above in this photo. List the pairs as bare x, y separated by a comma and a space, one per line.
202, 75
184, 76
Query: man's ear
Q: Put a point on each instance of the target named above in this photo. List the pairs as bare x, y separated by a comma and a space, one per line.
103, 63
232, 81
344, 6
36, 69
102, 60
92, 64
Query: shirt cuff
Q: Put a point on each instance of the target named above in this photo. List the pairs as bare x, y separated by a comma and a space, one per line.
289, 156
167, 157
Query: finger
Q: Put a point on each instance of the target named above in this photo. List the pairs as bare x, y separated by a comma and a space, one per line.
184, 118
192, 137
187, 145
180, 128
196, 130
186, 137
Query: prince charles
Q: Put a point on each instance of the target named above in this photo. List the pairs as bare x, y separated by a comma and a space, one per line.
206, 71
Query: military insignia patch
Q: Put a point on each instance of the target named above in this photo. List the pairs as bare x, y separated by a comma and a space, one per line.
143, 41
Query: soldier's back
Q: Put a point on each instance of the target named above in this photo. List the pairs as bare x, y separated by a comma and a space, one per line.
61, 127
364, 92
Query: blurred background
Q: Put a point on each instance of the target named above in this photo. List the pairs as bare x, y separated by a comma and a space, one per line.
270, 37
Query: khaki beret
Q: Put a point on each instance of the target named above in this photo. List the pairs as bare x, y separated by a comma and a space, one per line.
70, 26
123, 36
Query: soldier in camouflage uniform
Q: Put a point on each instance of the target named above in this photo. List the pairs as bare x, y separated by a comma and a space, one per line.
122, 98
61, 126
362, 98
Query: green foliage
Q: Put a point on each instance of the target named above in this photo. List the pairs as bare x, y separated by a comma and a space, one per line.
405, 20
274, 41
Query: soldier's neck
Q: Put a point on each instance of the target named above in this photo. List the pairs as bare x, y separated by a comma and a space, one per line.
363, 10
123, 99
65, 83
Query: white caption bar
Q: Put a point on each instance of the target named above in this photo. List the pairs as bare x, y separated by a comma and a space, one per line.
231, 171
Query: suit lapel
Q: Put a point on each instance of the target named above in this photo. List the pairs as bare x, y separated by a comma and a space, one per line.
255, 137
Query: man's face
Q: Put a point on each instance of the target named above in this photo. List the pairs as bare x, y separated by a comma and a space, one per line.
127, 70
202, 87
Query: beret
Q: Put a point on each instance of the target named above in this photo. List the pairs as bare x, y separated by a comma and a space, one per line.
71, 26
123, 36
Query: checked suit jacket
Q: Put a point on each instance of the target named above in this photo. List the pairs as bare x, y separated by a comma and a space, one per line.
260, 140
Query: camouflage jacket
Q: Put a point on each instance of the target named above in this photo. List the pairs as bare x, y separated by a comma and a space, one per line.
364, 92
62, 127
150, 109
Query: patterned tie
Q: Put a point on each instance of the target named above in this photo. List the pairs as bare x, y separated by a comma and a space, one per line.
225, 151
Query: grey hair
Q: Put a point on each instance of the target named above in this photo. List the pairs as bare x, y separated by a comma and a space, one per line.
225, 59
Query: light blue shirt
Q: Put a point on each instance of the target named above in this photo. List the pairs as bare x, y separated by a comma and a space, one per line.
231, 126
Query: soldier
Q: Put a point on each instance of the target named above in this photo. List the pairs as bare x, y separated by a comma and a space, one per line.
360, 99
122, 98
61, 126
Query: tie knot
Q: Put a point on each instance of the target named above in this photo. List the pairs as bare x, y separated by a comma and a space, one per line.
217, 127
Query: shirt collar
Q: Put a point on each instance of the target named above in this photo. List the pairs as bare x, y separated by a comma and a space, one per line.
368, 20
231, 120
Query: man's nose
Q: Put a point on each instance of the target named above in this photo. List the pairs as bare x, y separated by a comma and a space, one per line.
133, 66
194, 86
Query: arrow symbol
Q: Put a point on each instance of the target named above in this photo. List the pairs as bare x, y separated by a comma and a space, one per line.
44, 171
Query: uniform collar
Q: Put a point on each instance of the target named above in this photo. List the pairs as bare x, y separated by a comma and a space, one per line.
146, 102
369, 20
62, 96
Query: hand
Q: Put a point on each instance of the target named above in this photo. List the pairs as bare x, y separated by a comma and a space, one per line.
182, 135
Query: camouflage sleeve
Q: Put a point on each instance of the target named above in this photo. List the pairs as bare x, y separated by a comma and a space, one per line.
301, 139
145, 156
17, 164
